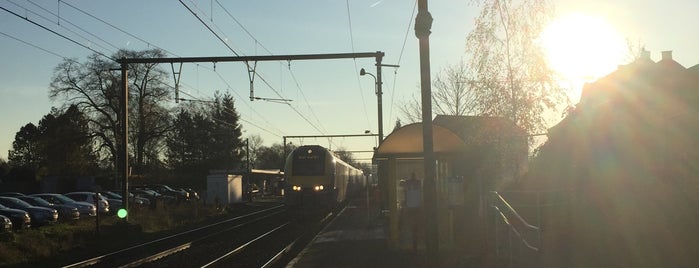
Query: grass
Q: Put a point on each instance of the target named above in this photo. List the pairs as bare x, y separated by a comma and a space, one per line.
62, 241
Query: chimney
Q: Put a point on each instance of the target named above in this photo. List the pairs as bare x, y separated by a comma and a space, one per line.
667, 55
645, 54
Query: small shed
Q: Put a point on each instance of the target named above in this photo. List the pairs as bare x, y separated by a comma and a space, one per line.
224, 189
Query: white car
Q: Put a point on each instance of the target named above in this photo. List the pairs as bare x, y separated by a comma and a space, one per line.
89, 197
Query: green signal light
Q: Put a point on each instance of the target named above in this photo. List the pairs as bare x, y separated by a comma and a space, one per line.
121, 213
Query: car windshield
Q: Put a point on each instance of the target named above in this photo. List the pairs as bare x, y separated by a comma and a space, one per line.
14, 202
60, 199
168, 188
111, 195
35, 201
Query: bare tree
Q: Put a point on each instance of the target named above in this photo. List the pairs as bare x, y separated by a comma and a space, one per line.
452, 95
95, 90
509, 70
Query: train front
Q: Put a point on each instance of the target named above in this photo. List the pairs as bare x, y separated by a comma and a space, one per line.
309, 177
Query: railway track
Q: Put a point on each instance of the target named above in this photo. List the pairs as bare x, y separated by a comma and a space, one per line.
265, 238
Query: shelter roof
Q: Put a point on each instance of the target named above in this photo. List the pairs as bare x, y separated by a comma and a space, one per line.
408, 140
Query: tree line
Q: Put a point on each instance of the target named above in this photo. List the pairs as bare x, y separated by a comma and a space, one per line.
176, 144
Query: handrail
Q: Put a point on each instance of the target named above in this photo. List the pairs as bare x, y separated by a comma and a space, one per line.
504, 218
511, 209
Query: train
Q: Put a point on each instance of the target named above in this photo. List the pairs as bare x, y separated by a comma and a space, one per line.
315, 176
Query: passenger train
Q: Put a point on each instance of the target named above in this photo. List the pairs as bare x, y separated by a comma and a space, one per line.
315, 176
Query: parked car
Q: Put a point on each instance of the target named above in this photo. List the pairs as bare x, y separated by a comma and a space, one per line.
179, 195
85, 209
192, 194
40, 216
90, 197
153, 196
115, 199
11, 194
66, 212
20, 218
5, 224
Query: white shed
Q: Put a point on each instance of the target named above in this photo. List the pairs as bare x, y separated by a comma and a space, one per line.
224, 189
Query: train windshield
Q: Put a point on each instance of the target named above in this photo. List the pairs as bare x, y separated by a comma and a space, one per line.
309, 163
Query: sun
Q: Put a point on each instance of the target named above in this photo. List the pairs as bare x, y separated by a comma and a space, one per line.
582, 47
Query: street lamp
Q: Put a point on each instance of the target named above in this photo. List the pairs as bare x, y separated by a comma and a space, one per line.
377, 90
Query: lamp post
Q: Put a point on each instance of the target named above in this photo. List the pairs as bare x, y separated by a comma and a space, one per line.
247, 155
377, 90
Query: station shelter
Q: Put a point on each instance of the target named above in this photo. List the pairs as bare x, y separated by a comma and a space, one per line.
473, 156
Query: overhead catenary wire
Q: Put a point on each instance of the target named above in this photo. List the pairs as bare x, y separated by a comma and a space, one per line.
59, 34
293, 76
400, 57
248, 65
116, 28
240, 117
27, 10
34, 46
150, 44
72, 24
361, 90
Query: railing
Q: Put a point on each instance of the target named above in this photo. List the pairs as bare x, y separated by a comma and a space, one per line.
516, 227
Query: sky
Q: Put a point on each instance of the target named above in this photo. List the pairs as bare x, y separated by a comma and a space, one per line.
329, 97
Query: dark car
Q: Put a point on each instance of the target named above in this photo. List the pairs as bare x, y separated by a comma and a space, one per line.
85, 209
153, 196
115, 200
180, 195
192, 194
11, 194
40, 216
20, 218
5, 224
65, 212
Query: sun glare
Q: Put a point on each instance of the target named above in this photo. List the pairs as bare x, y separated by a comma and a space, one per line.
582, 47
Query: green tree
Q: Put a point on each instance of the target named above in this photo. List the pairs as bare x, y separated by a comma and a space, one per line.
205, 137
226, 146
25, 150
66, 144
273, 157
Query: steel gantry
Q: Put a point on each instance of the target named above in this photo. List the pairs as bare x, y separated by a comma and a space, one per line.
251, 74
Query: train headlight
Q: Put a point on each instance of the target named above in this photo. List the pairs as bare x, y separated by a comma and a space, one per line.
296, 188
318, 188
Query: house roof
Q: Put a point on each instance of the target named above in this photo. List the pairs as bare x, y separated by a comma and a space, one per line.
639, 80
479, 129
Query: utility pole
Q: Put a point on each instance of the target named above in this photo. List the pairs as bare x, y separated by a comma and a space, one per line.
124, 137
423, 24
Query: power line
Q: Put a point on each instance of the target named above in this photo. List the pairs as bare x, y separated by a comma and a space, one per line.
210, 30
400, 57
361, 90
73, 24
34, 46
56, 33
270, 53
243, 27
116, 28
169, 52
248, 65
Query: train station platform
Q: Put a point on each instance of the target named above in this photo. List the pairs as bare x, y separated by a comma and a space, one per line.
357, 237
